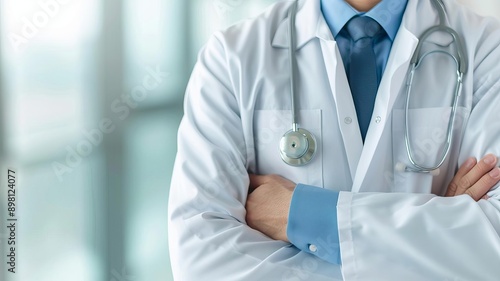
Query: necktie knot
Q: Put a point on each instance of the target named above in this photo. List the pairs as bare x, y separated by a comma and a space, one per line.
363, 27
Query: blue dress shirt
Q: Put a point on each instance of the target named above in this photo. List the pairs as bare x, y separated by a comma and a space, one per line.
312, 221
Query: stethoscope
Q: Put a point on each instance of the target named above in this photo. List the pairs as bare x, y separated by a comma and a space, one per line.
298, 146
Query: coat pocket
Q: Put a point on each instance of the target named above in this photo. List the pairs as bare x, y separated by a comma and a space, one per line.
269, 127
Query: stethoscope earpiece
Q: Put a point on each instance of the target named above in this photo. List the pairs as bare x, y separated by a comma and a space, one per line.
297, 148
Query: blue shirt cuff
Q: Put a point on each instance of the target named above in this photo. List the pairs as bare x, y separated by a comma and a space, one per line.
312, 222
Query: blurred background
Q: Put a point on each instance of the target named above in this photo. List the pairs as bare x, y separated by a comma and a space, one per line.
90, 100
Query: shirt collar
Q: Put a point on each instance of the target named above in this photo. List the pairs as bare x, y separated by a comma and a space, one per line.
388, 13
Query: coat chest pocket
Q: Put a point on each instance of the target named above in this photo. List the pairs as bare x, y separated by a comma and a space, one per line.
269, 127
428, 131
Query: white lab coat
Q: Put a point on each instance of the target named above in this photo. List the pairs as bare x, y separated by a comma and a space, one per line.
392, 225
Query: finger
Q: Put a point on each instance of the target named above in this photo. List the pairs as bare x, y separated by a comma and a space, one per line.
462, 171
484, 166
484, 184
256, 181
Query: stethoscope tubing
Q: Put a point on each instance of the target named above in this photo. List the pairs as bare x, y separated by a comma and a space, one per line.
297, 146
461, 64
307, 140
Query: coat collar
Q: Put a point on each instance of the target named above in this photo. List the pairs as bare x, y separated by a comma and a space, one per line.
309, 23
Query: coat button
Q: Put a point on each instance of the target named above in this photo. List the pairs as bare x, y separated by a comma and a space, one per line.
348, 120
378, 119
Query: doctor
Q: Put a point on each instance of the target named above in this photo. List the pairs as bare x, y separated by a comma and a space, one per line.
355, 214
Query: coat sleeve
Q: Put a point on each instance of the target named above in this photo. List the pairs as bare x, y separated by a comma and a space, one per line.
422, 236
208, 236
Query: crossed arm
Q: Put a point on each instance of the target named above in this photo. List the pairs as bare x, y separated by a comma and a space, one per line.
269, 200
419, 234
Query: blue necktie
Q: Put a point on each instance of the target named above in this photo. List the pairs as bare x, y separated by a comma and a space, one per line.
362, 75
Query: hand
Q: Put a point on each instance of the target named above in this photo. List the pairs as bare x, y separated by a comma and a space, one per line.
475, 178
268, 204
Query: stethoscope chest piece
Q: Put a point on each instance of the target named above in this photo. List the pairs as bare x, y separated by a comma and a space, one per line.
297, 148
